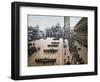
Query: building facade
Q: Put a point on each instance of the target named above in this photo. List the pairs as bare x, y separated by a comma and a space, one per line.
81, 31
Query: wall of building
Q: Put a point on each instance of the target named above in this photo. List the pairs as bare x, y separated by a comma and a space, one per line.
81, 29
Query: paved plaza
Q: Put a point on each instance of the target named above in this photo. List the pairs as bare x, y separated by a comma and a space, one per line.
42, 43
61, 55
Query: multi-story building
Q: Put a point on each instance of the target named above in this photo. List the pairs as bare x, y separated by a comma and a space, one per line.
34, 33
81, 29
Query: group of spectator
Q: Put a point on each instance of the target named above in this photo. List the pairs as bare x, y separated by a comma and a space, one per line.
76, 59
32, 49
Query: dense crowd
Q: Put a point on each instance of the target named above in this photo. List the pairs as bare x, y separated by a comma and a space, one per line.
45, 60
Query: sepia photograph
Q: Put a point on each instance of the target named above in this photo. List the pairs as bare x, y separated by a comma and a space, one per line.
57, 40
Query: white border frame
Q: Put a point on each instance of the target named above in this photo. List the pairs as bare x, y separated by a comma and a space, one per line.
24, 70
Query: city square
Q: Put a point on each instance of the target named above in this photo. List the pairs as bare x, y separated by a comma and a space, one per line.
57, 45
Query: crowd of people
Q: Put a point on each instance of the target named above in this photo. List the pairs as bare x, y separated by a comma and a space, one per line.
32, 49
74, 61
45, 60
76, 58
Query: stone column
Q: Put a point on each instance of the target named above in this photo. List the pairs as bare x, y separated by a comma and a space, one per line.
67, 26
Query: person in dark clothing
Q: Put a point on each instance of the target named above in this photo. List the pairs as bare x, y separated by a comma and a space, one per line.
81, 61
68, 62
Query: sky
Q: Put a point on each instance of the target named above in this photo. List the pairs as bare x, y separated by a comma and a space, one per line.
47, 21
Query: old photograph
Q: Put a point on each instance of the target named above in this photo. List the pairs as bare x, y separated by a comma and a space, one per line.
57, 40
